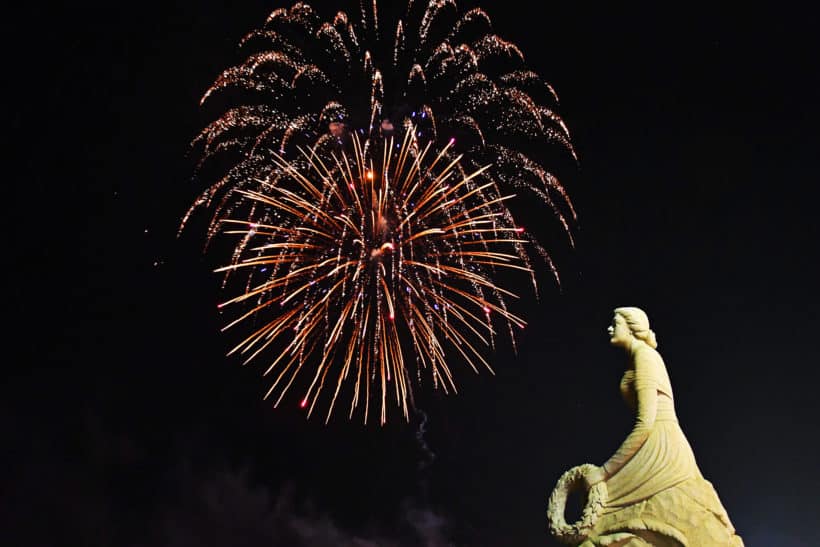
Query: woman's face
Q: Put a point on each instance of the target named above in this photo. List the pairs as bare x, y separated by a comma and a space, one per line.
619, 333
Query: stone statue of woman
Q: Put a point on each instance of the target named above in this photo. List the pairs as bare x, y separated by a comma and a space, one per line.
650, 492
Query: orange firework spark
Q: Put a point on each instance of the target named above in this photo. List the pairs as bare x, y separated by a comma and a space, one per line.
370, 276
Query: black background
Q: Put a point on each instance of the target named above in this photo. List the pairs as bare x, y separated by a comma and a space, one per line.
124, 424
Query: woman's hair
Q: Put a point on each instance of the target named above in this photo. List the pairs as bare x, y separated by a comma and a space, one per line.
638, 323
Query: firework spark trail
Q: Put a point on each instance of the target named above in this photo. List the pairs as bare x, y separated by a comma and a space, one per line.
427, 455
372, 271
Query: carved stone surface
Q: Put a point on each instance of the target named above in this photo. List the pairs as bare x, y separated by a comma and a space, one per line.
655, 494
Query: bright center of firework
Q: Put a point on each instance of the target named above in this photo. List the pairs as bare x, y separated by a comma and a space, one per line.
386, 248
382, 238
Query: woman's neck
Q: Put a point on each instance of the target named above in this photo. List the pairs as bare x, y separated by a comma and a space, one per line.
631, 348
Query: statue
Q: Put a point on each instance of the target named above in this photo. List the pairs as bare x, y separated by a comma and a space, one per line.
650, 492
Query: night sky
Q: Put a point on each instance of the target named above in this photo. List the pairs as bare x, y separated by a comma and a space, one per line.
125, 424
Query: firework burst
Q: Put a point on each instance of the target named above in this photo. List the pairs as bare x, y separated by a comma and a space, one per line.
370, 275
364, 164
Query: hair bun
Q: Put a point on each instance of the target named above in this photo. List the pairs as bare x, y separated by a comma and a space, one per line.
647, 336
650, 340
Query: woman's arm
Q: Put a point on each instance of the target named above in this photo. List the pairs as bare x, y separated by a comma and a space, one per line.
646, 388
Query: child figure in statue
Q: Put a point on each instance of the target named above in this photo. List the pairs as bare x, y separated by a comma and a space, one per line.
650, 492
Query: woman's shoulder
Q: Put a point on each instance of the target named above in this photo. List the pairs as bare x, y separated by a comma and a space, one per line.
647, 359
644, 350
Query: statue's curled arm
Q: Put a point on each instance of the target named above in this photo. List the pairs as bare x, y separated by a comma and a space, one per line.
646, 390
